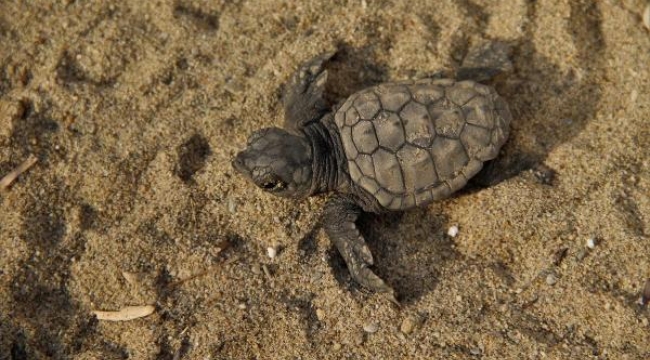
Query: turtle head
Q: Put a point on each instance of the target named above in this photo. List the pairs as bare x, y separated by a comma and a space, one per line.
277, 162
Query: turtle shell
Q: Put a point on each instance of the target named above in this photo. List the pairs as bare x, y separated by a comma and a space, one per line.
411, 143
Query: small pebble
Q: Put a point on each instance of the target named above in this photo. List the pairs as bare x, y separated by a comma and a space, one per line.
591, 243
513, 336
645, 294
267, 272
256, 269
241, 306
336, 347
371, 328
316, 276
408, 325
551, 279
646, 16
272, 252
320, 314
232, 206
453, 231
234, 87
358, 339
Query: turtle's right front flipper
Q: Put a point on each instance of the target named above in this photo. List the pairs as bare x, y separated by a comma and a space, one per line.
339, 221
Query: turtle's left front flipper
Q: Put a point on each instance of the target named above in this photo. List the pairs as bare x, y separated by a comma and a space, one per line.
303, 94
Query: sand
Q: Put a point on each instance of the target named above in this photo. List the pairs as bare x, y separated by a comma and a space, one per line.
134, 110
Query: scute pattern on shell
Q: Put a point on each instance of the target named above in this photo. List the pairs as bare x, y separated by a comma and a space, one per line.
412, 142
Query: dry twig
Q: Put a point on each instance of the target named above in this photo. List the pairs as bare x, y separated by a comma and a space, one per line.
8, 179
126, 313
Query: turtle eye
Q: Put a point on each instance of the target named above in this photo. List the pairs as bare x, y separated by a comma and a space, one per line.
273, 185
268, 185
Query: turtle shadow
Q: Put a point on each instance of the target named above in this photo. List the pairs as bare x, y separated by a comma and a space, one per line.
549, 106
352, 69
409, 261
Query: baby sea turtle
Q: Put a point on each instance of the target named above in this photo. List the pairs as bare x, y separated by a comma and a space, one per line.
390, 147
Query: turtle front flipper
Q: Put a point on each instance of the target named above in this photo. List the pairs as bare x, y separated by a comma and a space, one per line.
339, 220
303, 95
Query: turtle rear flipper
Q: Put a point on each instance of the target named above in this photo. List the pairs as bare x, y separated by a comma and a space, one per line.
485, 62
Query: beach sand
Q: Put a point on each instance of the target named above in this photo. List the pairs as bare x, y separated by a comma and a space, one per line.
134, 110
